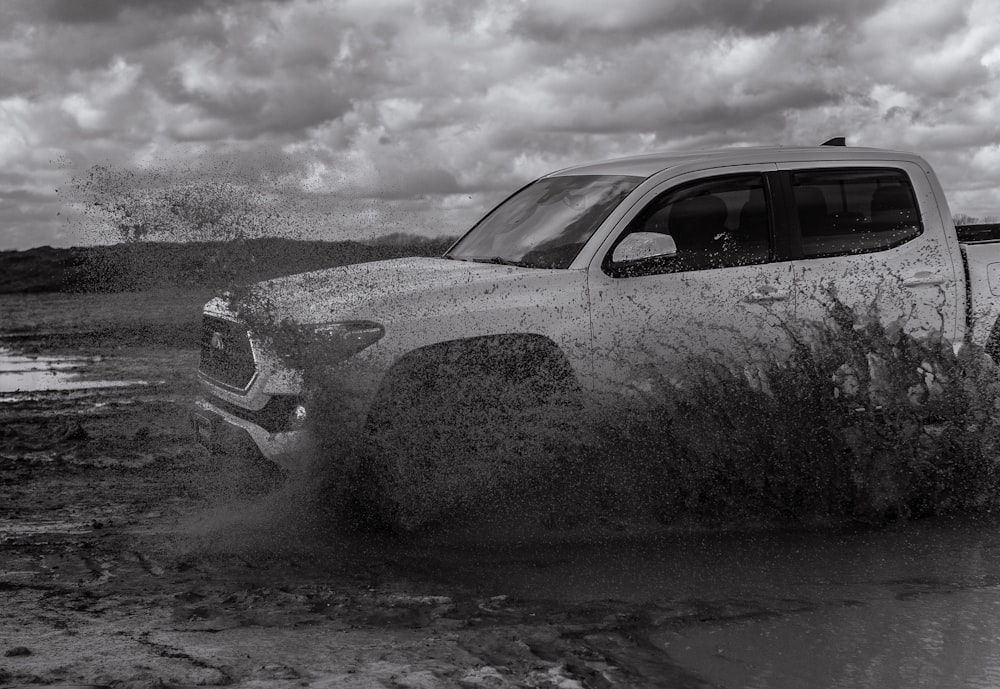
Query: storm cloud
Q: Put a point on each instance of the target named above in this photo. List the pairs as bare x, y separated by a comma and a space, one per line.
386, 116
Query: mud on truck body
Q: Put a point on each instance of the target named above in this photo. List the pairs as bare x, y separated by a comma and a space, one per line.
590, 275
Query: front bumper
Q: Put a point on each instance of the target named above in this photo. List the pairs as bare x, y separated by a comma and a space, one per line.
224, 433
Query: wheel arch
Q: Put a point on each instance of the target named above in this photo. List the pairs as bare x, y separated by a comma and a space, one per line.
518, 356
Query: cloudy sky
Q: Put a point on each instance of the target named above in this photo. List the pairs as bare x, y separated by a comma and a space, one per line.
370, 116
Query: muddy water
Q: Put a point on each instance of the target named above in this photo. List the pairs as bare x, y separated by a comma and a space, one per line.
913, 606
26, 374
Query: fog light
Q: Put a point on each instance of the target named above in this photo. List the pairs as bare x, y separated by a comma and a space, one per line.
298, 418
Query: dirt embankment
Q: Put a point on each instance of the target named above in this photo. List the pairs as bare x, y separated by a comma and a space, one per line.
156, 265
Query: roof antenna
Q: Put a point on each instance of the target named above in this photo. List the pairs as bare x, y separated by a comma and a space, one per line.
835, 141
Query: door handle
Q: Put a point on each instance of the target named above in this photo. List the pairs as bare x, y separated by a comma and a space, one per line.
766, 295
924, 278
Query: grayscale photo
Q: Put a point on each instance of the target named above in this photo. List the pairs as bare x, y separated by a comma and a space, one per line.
500, 344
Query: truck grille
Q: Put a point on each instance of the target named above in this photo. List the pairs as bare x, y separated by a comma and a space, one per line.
226, 355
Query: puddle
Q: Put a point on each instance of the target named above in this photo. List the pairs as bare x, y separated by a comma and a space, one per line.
10, 528
934, 641
20, 374
913, 606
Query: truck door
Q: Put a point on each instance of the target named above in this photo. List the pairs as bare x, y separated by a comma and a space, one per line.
722, 292
861, 234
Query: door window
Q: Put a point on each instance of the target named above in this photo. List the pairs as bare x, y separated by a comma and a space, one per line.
856, 211
715, 223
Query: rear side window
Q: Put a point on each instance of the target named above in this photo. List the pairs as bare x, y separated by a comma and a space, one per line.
854, 211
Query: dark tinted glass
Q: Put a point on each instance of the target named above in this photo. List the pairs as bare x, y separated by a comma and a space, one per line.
715, 223
854, 211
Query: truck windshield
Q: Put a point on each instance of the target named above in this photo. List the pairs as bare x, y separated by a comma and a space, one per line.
545, 224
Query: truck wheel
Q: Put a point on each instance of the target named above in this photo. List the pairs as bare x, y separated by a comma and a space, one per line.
460, 424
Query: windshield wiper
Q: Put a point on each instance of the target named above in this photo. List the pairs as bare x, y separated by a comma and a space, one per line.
497, 260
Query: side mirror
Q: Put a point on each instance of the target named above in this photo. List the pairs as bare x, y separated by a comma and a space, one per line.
640, 245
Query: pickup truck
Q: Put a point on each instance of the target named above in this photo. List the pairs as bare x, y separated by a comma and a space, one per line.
590, 275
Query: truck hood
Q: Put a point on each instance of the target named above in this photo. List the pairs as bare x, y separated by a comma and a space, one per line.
399, 289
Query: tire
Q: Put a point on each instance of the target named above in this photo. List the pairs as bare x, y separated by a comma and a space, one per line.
461, 425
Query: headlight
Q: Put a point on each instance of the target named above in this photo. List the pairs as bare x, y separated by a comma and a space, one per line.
322, 344
348, 337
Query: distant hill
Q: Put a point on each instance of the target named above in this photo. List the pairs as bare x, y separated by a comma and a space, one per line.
146, 265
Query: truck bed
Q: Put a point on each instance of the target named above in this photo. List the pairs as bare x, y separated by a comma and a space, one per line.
982, 263
972, 234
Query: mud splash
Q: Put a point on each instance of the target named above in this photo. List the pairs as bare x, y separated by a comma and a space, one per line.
253, 510
860, 423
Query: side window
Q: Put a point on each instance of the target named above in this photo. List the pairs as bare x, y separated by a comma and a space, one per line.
715, 223
854, 211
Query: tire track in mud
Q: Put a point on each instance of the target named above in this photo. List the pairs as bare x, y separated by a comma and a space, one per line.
206, 673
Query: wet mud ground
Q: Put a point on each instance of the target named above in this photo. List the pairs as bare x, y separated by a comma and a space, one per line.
130, 558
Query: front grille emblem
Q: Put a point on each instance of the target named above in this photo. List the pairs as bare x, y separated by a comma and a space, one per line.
217, 342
